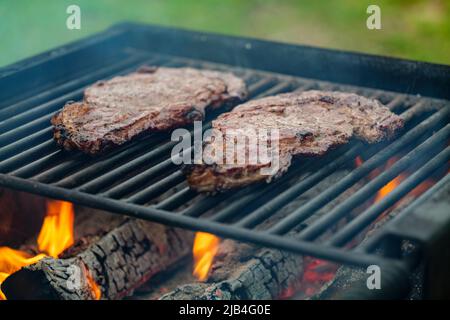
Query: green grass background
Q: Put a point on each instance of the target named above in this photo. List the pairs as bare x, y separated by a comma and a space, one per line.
414, 29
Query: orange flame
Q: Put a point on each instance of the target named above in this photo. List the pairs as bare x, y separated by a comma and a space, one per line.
3, 276
55, 236
204, 250
56, 233
12, 260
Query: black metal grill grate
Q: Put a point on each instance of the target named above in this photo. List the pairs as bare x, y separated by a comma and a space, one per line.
140, 180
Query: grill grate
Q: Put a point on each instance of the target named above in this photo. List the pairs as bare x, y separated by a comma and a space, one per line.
140, 180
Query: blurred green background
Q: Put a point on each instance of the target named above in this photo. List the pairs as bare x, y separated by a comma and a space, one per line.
414, 29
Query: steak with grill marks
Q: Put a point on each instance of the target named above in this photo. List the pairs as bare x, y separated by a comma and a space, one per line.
149, 100
309, 124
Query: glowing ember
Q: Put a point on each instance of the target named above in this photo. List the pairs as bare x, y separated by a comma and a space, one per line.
55, 236
96, 292
424, 186
204, 250
388, 188
319, 270
317, 273
56, 233
358, 161
289, 292
391, 185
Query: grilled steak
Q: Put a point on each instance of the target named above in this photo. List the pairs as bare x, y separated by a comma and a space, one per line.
149, 100
308, 123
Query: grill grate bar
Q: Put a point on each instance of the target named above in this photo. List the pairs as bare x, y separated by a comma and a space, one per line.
413, 157
260, 86
177, 199
204, 204
396, 102
177, 220
95, 74
60, 172
302, 213
25, 128
30, 155
372, 243
23, 113
25, 143
107, 162
135, 182
59, 164
250, 196
43, 161
157, 188
279, 88
247, 195
365, 218
113, 175
293, 192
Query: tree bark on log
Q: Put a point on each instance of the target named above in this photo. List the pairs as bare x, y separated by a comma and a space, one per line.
116, 263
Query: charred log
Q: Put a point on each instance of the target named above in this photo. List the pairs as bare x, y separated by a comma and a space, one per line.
111, 265
242, 271
259, 274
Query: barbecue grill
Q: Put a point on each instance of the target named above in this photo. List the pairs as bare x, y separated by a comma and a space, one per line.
131, 179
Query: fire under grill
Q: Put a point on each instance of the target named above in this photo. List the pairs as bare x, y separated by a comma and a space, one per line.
140, 180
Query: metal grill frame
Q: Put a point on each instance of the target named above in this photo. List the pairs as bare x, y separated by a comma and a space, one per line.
47, 81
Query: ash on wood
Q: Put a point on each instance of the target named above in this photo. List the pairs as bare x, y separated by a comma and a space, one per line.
115, 263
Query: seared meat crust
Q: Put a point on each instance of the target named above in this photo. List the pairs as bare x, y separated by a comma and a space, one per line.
309, 124
149, 100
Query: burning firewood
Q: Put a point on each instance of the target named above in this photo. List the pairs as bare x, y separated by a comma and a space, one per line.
242, 271
102, 263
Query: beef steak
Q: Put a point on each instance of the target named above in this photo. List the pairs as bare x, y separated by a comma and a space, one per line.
149, 100
308, 123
